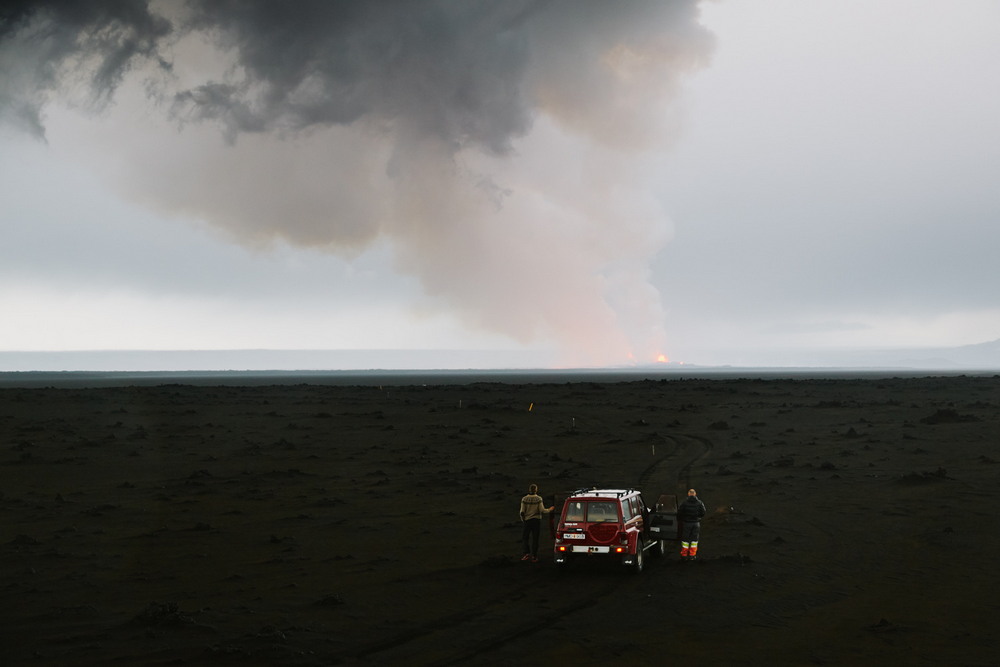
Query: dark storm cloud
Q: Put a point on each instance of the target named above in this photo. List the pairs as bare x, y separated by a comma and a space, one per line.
456, 70
493, 145
453, 69
40, 39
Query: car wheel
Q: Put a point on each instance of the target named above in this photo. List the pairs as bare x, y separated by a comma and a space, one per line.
640, 556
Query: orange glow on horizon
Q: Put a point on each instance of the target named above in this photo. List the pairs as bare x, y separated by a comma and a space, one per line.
662, 359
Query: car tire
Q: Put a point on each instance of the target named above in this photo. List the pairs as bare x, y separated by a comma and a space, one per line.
640, 557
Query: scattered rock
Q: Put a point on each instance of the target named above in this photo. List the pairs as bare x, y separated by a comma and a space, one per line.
497, 561
332, 600
272, 633
227, 650
162, 613
884, 626
99, 510
924, 477
948, 416
737, 558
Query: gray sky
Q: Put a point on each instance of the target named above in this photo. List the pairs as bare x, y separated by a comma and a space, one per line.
721, 182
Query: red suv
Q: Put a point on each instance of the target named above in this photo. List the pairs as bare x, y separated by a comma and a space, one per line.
614, 523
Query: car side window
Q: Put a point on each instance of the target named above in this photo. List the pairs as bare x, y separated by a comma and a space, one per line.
638, 504
627, 512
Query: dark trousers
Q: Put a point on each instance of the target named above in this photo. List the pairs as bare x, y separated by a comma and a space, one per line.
532, 528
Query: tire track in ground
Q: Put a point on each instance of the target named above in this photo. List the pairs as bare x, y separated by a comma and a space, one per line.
462, 636
438, 624
705, 446
686, 450
536, 622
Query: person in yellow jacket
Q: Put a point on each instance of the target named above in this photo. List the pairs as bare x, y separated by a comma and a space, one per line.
532, 509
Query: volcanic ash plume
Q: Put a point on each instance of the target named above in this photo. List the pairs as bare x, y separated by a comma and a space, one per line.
502, 149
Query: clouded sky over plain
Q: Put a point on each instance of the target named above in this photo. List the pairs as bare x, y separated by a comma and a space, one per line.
717, 182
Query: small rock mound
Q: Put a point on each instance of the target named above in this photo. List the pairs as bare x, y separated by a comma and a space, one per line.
924, 477
162, 613
948, 416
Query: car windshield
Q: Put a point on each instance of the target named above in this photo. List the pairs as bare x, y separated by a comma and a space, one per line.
575, 511
598, 511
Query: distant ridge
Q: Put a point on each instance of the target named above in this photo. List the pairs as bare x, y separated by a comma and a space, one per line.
976, 357
981, 356
268, 360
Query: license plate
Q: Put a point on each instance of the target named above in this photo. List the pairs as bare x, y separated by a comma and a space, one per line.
573, 536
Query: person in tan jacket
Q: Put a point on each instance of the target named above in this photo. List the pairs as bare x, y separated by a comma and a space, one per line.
532, 509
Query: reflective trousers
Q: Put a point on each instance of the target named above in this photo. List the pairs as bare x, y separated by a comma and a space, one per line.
690, 532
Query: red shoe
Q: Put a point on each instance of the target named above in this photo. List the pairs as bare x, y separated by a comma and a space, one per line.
526, 557
534, 559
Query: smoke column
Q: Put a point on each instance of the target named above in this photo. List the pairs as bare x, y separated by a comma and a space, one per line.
500, 149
